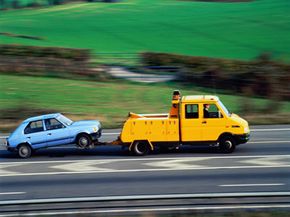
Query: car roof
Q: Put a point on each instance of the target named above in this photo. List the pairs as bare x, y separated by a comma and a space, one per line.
54, 115
199, 98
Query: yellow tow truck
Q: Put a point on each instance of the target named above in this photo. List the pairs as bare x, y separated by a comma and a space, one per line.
192, 120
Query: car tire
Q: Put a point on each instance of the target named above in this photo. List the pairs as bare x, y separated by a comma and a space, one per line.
24, 151
227, 145
84, 141
141, 148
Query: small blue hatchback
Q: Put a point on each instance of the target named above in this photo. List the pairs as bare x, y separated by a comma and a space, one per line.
52, 130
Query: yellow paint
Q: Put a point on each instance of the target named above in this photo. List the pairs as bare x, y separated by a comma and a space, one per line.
188, 111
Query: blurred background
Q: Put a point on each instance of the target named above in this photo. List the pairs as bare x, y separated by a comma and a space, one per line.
102, 59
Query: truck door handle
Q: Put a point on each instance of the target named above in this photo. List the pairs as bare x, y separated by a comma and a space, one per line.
28, 137
49, 134
204, 122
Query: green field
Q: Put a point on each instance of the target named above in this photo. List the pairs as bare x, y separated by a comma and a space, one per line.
228, 30
108, 101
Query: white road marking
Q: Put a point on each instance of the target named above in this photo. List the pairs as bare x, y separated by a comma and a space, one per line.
69, 167
86, 166
15, 163
111, 133
268, 161
177, 164
252, 185
138, 210
270, 130
11, 193
268, 142
2, 171
140, 170
145, 197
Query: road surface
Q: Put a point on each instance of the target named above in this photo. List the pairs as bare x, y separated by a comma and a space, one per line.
262, 165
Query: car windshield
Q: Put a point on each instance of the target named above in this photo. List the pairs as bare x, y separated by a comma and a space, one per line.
224, 108
65, 120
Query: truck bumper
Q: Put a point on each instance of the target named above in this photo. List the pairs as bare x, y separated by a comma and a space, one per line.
243, 138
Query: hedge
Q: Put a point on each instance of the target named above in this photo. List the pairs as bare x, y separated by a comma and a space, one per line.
262, 76
54, 52
48, 61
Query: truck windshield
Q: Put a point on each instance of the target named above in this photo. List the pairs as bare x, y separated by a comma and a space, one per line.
224, 108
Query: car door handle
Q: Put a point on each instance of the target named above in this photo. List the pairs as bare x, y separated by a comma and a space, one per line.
204, 122
28, 137
49, 134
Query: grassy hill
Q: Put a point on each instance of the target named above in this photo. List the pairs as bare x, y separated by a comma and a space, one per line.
228, 30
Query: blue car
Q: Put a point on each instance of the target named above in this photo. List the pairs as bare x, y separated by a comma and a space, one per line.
52, 130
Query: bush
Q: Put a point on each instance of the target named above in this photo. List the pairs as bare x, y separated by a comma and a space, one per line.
263, 76
47, 61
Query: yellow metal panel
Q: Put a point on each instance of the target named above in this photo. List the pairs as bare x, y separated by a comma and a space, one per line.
190, 128
172, 130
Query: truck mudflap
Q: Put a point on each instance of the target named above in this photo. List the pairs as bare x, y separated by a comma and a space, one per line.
241, 139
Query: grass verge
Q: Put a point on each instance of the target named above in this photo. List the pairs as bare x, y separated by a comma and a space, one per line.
110, 102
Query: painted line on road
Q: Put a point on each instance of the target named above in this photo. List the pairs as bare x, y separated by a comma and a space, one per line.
11, 193
269, 130
252, 185
140, 170
138, 210
146, 197
111, 133
268, 142
111, 160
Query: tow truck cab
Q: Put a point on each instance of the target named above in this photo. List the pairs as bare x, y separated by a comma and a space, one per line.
194, 120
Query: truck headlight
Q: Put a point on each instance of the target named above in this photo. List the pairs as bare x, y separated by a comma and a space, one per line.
95, 129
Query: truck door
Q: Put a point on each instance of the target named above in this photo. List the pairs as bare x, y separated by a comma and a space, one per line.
190, 123
213, 122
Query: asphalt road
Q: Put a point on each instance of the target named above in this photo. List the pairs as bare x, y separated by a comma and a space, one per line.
262, 165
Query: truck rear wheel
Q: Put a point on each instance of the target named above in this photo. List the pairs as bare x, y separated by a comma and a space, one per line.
141, 148
227, 144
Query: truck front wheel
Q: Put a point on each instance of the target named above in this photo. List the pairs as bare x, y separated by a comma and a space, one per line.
141, 148
227, 144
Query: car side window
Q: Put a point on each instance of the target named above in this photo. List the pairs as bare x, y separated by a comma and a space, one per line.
52, 124
191, 111
34, 127
211, 111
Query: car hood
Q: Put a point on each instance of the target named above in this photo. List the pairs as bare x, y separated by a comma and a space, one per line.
86, 123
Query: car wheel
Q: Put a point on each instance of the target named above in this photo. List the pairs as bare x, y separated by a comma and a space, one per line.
141, 148
24, 151
84, 141
227, 144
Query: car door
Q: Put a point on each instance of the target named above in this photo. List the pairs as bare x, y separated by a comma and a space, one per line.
35, 134
56, 132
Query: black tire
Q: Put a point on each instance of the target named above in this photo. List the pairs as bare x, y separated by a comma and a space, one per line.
24, 151
84, 141
141, 148
227, 144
